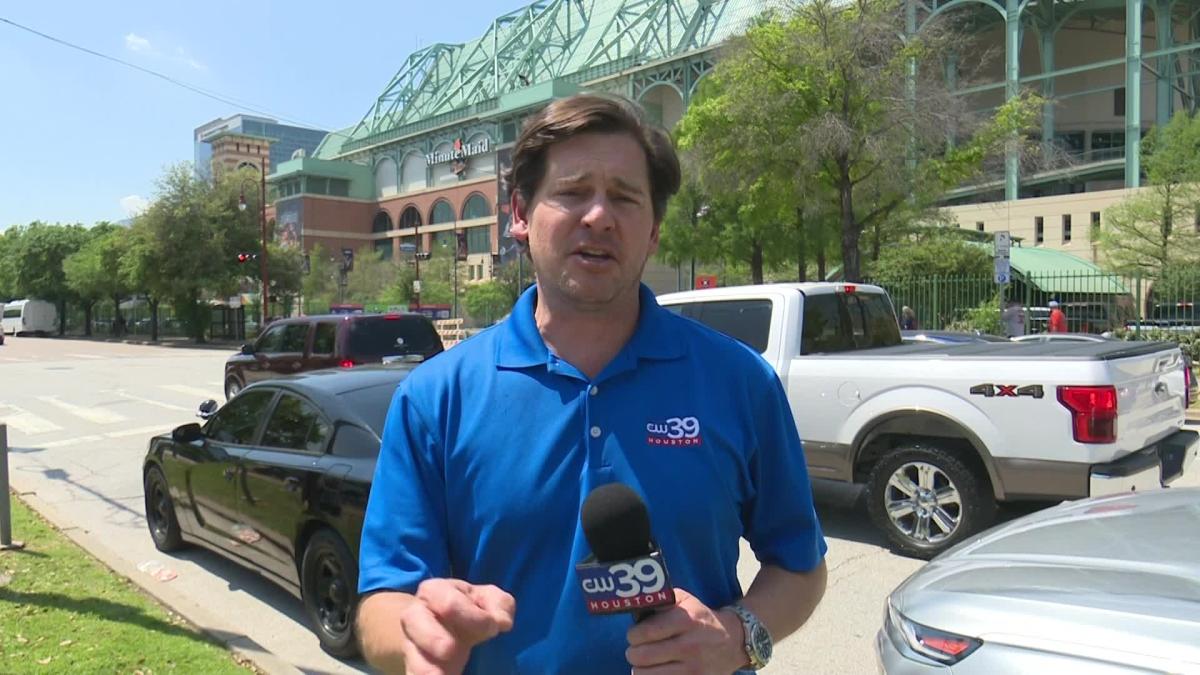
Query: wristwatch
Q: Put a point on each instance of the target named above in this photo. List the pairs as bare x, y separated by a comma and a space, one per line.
758, 643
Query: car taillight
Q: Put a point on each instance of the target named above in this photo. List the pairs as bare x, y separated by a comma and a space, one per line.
1187, 385
849, 288
346, 363
911, 637
391, 317
1093, 412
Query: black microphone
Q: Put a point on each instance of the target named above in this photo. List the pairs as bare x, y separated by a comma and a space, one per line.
626, 571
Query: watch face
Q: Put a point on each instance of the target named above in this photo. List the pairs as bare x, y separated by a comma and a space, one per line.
761, 641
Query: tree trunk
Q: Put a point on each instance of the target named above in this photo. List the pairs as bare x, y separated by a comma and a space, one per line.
851, 229
756, 262
821, 263
875, 242
154, 320
118, 318
62, 317
87, 318
801, 248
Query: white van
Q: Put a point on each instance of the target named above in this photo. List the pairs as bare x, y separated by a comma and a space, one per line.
22, 317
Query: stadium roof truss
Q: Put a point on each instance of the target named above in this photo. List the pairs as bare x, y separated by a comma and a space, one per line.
547, 40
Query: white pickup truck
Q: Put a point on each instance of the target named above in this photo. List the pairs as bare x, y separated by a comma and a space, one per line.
941, 433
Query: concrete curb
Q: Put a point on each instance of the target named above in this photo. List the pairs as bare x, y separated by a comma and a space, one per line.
176, 343
201, 617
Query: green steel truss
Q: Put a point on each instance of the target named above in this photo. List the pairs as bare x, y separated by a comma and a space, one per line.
582, 41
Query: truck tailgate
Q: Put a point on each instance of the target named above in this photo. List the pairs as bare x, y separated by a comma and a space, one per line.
1150, 396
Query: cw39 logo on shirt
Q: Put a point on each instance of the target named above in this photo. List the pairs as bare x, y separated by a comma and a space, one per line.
675, 431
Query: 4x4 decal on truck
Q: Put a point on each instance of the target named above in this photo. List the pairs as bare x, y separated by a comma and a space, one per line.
1008, 390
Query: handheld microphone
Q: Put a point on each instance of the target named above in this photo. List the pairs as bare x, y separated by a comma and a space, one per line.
625, 572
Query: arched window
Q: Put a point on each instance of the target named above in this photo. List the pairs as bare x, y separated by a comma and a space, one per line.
384, 248
442, 212
385, 178
382, 222
476, 207
410, 218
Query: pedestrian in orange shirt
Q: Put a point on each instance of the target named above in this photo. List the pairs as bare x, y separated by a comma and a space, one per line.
1058, 320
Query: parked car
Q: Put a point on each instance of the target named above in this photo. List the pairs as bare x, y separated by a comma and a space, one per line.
948, 337
939, 434
306, 343
1104, 585
277, 480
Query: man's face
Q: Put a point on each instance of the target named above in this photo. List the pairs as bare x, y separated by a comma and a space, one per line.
590, 225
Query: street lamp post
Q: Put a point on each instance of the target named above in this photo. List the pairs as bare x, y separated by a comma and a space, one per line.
265, 294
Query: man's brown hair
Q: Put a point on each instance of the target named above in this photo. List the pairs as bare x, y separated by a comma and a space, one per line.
596, 113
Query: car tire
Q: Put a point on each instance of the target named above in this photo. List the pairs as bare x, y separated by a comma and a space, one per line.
160, 512
926, 499
232, 386
329, 586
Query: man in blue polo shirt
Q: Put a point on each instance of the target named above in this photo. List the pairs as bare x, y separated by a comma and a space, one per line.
472, 529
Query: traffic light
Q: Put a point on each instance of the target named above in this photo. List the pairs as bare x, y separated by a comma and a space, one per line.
307, 264
424, 255
348, 259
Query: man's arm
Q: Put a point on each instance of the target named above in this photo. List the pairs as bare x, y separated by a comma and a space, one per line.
784, 600
380, 616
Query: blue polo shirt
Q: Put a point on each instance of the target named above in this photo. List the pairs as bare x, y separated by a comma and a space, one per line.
491, 448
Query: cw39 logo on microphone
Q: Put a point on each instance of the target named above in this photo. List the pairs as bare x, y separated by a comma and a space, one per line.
626, 585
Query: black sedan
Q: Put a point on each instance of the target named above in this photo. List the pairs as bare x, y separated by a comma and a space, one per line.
277, 480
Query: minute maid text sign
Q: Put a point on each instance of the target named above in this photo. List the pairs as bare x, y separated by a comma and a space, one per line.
459, 151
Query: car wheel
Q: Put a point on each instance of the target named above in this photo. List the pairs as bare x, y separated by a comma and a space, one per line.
232, 387
329, 586
926, 499
160, 512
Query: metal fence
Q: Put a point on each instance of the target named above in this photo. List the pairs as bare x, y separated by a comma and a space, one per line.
1093, 302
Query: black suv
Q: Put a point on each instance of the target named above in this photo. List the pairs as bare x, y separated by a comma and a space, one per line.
330, 341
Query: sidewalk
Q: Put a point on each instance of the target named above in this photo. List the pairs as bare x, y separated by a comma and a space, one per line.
181, 342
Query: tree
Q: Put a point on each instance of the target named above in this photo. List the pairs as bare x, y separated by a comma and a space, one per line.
94, 272
488, 300
39, 264
1154, 231
822, 99
370, 277
932, 253
10, 240
319, 286
188, 241
285, 268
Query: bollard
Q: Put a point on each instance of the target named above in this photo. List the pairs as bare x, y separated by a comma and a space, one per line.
6, 542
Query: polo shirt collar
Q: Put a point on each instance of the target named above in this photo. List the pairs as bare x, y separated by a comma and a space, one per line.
521, 345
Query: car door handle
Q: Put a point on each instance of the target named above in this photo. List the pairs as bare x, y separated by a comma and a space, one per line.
296, 365
229, 473
291, 484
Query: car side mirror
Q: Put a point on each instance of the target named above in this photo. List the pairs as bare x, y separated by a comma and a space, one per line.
186, 433
248, 349
207, 409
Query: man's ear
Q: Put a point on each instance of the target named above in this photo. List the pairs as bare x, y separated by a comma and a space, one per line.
519, 228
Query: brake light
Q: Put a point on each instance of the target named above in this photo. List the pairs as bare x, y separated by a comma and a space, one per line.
1187, 385
346, 363
391, 317
1093, 412
849, 288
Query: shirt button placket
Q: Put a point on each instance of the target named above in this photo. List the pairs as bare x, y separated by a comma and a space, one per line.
596, 457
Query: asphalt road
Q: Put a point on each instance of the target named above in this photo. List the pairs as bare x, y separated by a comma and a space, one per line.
79, 416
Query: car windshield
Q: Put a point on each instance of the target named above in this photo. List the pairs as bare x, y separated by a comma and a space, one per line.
371, 404
374, 337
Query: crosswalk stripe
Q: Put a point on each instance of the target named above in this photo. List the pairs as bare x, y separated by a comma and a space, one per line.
93, 415
185, 389
140, 431
26, 422
150, 401
86, 356
70, 441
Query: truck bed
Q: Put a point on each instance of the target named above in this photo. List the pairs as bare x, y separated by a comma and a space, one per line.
1050, 351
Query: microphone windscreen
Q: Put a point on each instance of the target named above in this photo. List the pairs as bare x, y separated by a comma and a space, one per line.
616, 523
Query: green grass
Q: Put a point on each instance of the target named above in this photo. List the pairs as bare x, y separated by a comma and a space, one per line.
62, 611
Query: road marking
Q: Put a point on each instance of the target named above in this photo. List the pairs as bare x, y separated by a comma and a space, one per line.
149, 401
70, 441
185, 389
93, 415
152, 429
26, 422
87, 356
218, 385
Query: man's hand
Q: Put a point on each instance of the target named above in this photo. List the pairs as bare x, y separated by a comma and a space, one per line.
687, 638
449, 617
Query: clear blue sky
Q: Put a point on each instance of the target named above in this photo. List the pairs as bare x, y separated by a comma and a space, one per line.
83, 139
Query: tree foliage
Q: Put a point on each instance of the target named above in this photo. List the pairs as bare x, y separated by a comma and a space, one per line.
488, 301
1154, 231
828, 116
93, 273
932, 253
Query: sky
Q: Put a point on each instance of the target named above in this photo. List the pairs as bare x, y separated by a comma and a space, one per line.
83, 139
